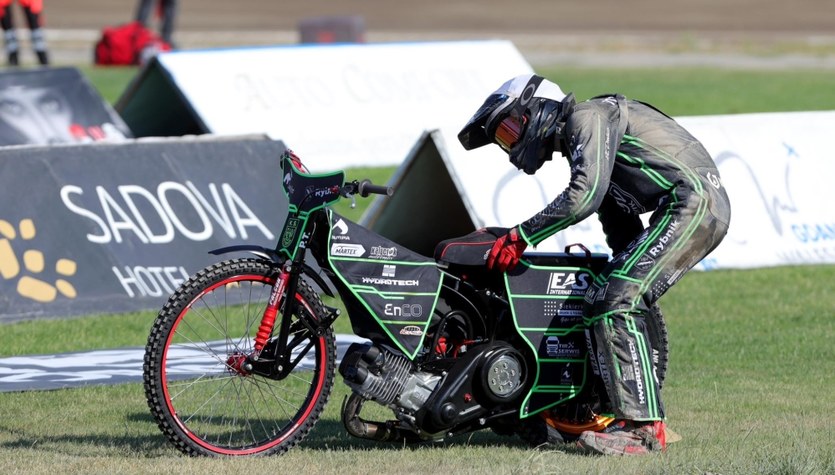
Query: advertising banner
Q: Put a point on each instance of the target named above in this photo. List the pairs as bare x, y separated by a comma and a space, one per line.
776, 168
339, 105
52, 106
107, 228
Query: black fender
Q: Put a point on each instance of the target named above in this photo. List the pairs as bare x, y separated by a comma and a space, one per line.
272, 256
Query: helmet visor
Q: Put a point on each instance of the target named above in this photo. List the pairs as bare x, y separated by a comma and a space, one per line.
508, 132
474, 135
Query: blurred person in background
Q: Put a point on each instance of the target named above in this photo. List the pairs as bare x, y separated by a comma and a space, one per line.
166, 12
33, 10
626, 158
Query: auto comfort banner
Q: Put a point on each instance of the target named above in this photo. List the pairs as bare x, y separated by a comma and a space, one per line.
339, 105
105, 228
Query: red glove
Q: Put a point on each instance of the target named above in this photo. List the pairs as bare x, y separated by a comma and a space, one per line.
506, 251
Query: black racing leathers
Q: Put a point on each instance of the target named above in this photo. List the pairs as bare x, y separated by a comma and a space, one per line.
626, 159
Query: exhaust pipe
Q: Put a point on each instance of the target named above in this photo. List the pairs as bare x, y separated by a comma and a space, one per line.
378, 431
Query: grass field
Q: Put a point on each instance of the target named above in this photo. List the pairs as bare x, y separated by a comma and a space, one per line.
750, 385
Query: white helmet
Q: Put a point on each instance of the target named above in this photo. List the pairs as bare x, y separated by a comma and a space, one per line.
525, 117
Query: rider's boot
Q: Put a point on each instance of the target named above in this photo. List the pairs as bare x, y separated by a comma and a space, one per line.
626, 438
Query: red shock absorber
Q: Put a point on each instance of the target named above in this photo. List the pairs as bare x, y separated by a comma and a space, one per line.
268, 320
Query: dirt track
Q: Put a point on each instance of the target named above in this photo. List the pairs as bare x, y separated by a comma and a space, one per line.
809, 16
545, 29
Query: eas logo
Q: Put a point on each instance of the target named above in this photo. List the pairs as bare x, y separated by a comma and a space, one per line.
568, 283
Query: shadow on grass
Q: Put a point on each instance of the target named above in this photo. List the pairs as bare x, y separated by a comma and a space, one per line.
148, 441
331, 435
130, 443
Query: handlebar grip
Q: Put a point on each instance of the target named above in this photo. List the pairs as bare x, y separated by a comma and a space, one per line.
366, 188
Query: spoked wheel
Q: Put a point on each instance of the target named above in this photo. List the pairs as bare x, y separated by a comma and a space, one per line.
205, 397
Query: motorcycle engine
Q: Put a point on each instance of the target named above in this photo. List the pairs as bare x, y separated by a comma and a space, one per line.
381, 376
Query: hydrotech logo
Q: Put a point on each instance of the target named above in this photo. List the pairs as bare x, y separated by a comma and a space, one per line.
397, 282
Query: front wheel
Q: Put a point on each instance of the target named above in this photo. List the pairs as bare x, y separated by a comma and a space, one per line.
196, 384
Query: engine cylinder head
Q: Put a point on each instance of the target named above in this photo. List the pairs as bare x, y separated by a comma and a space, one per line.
375, 373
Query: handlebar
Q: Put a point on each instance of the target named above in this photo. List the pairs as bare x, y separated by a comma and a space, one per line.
365, 188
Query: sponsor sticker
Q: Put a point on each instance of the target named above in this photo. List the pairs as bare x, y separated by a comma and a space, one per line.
562, 349
382, 252
568, 283
411, 330
290, 232
406, 310
347, 250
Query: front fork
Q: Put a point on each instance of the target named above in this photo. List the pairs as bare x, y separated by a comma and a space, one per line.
247, 364
285, 285
268, 319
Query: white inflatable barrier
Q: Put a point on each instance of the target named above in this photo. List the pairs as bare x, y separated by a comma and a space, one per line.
776, 167
337, 105
366, 105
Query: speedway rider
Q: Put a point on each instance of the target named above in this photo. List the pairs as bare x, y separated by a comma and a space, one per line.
626, 158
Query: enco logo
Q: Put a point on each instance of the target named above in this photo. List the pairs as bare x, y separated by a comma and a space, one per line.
407, 310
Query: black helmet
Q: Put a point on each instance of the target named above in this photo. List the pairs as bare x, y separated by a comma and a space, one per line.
524, 117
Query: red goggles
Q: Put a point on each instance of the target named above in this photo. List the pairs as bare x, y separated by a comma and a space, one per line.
509, 131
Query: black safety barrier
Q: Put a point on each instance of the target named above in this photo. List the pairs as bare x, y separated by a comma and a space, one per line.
105, 228
54, 105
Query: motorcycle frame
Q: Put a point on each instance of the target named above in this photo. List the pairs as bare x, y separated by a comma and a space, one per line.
289, 256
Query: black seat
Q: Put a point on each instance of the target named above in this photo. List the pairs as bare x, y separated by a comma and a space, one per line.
469, 250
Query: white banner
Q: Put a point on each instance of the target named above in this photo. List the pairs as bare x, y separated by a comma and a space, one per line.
343, 105
367, 105
777, 168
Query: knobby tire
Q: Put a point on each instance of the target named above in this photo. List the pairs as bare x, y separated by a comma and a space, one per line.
200, 400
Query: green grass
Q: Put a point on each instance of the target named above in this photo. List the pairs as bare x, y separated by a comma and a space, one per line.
111, 82
749, 389
706, 91
749, 386
688, 91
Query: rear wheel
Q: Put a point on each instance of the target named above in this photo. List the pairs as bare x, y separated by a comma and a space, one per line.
657, 329
197, 383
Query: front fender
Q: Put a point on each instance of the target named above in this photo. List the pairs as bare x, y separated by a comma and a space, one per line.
274, 257
259, 251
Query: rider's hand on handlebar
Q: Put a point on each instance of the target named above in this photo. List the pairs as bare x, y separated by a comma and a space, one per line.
506, 251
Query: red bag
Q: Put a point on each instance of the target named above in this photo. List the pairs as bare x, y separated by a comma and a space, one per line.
124, 44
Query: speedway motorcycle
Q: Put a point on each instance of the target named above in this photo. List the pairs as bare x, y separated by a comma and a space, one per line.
241, 360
